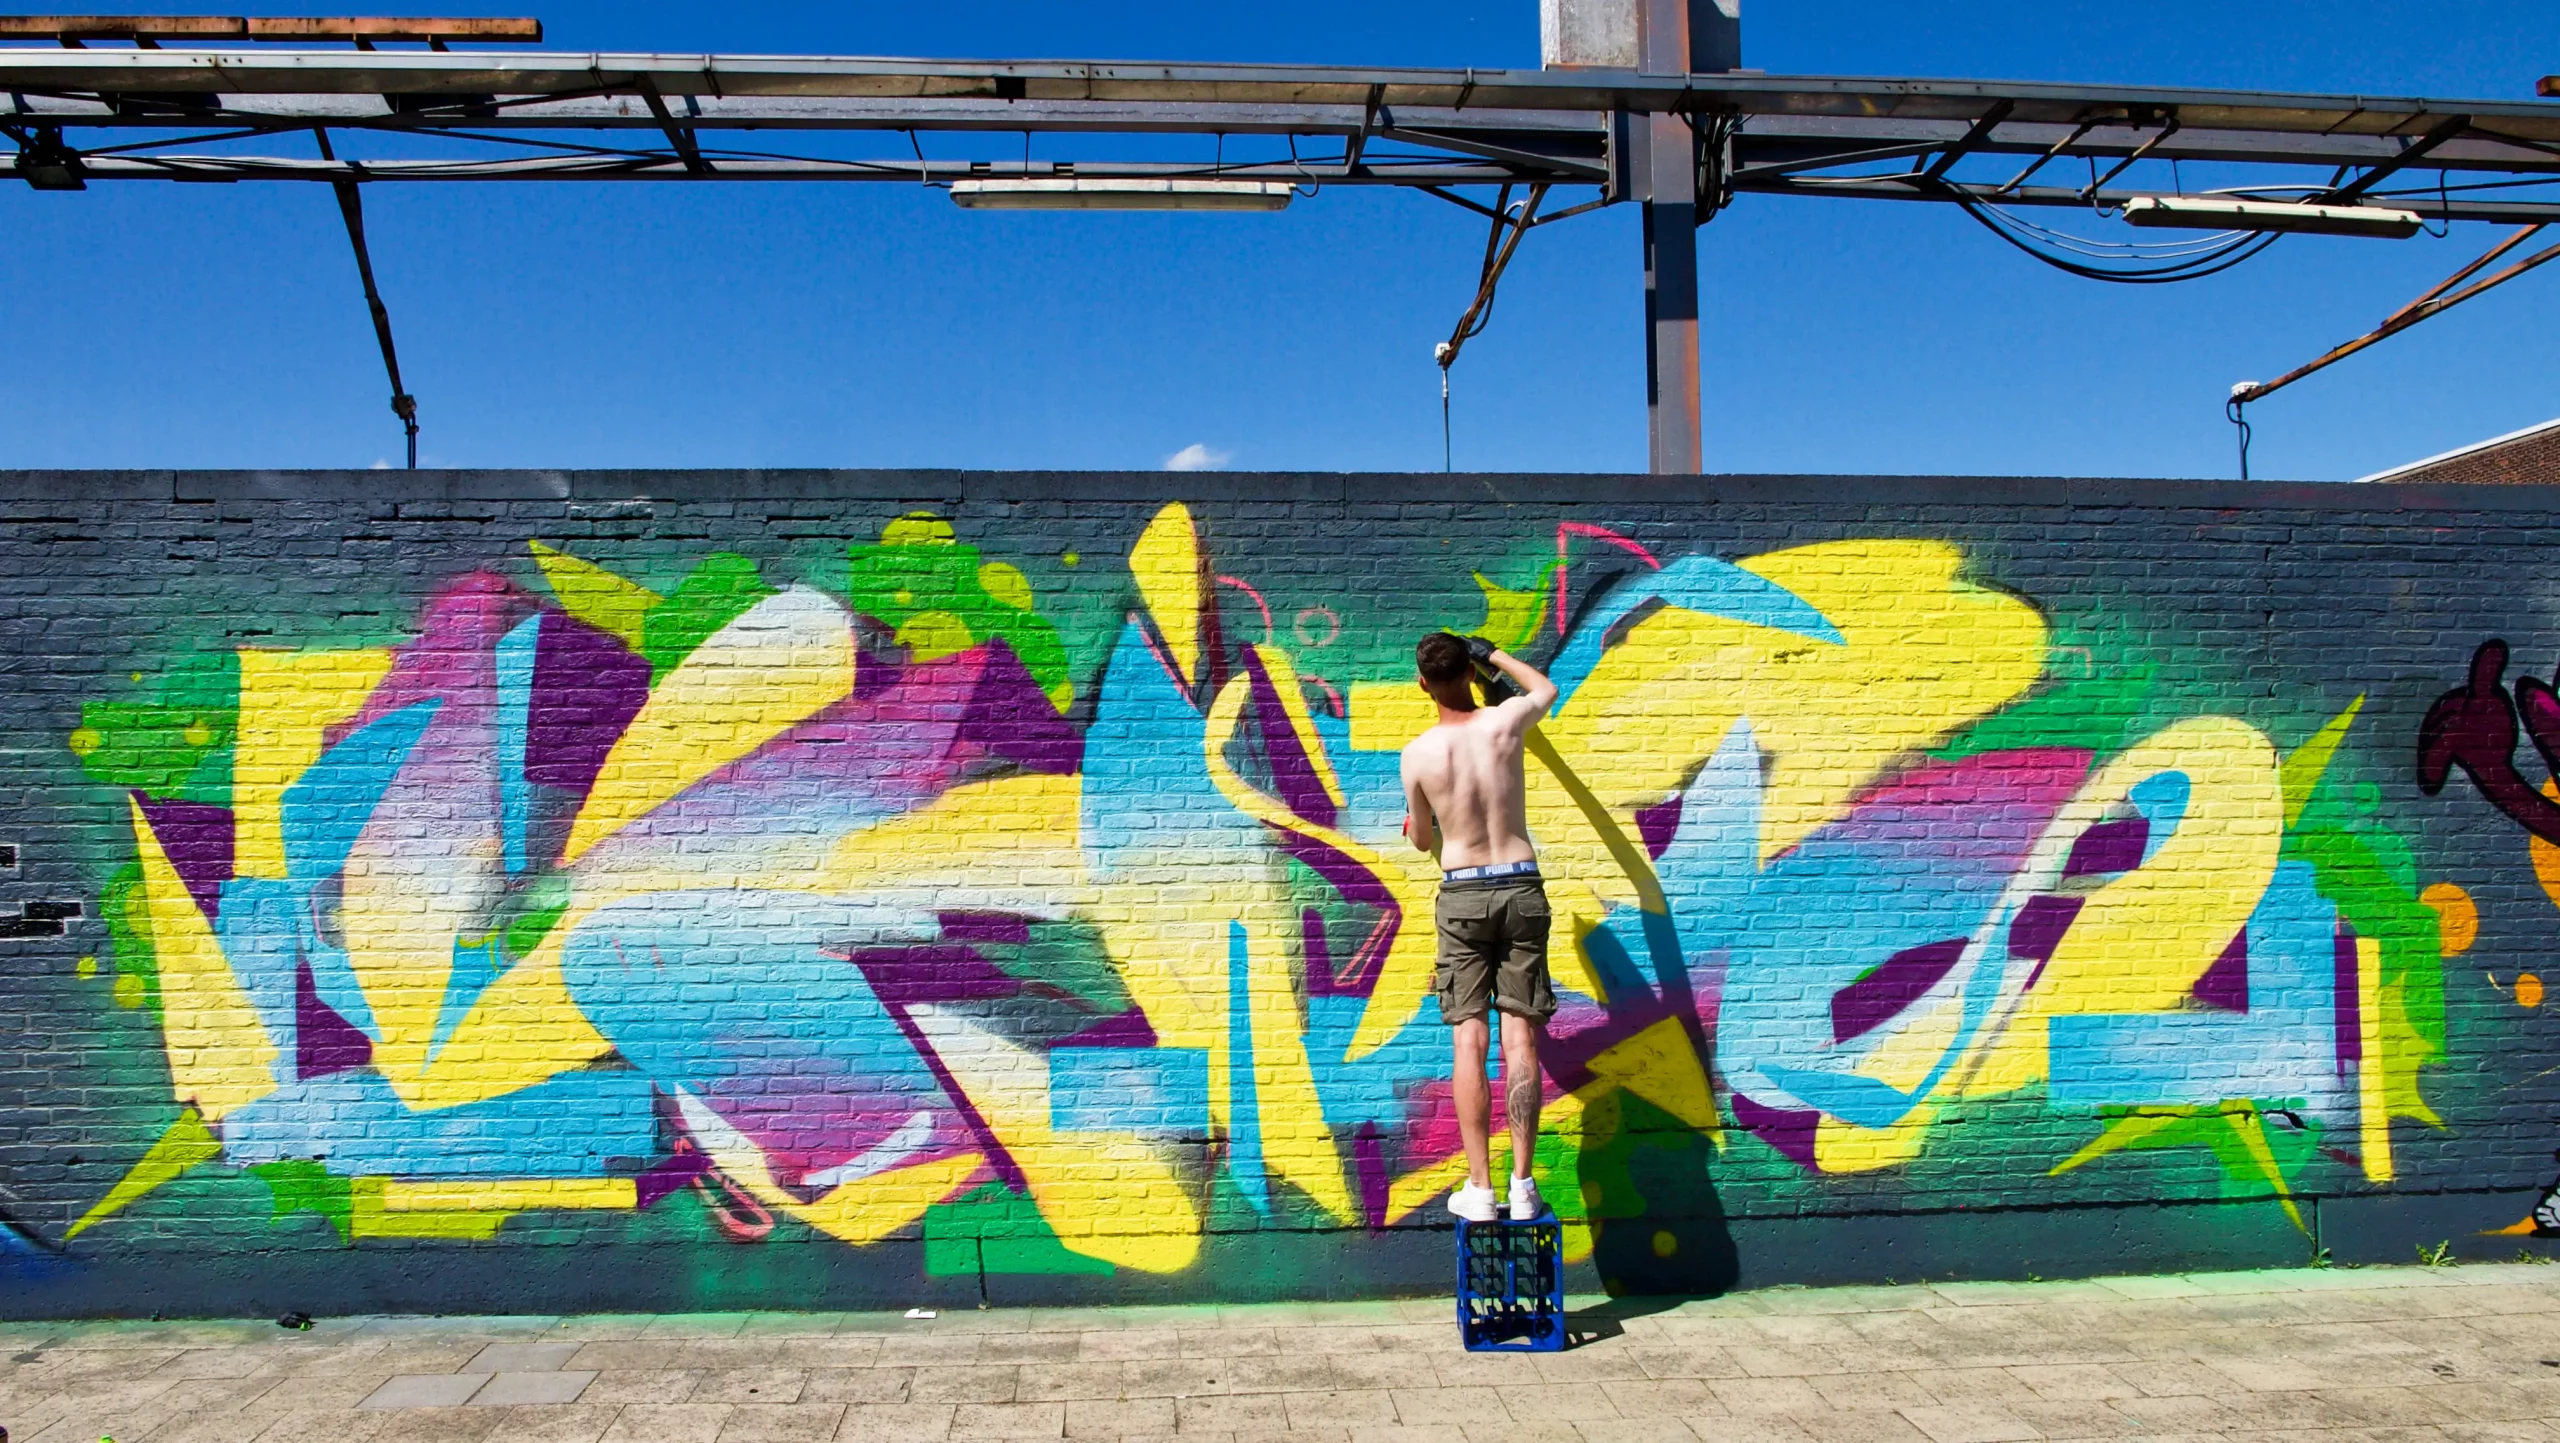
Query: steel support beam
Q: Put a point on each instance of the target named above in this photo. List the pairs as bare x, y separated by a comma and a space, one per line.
1638, 135
1404, 93
351, 210
1667, 175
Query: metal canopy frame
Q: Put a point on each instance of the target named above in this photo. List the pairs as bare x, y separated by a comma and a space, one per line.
1682, 146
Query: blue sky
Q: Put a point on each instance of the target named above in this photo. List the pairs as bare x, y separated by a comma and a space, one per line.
878, 325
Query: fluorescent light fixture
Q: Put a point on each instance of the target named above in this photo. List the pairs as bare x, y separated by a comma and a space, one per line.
1080, 193
2179, 212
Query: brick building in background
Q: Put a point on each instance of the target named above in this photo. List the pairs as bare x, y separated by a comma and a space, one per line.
2519, 458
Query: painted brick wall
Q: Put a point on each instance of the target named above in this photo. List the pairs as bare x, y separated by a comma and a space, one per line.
787, 889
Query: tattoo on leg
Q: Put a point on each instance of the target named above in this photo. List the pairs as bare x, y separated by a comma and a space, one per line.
1520, 1099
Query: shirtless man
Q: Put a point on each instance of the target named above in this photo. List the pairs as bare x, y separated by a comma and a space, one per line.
1465, 802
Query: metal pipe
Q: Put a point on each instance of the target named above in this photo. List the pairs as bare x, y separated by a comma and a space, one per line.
2433, 303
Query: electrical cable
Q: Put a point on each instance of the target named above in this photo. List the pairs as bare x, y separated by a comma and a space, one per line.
351, 211
2236, 409
2194, 268
2083, 245
2242, 246
1510, 223
2122, 250
1445, 465
1314, 187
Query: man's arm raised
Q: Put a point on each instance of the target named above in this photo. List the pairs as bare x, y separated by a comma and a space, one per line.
1537, 693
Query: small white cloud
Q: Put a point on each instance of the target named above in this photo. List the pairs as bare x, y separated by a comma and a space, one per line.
381, 463
1197, 457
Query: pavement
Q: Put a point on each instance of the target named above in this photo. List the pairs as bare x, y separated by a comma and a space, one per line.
2467, 1353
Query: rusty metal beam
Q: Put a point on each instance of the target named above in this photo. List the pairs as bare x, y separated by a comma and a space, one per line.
2434, 303
282, 29
485, 29
123, 27
1667, 167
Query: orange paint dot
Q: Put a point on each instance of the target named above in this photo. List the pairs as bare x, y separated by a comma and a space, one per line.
2457, 919
2546, 857
2528, 990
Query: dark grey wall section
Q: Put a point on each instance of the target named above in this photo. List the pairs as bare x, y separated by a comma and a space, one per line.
2401, 1098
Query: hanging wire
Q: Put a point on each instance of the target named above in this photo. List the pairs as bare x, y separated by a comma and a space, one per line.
1510, 223
2237, 409
2121, 250
1441, 354
2186, 261
1314, 187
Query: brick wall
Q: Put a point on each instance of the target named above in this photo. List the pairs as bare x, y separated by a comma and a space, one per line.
777, 889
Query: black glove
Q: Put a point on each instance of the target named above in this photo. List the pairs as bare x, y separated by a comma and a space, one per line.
1497, 687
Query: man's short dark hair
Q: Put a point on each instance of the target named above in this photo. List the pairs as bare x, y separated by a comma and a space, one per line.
1442, 659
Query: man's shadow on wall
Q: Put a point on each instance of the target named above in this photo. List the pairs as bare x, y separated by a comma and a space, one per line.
1658, 1230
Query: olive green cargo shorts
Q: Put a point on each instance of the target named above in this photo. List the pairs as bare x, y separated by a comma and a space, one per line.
1493, 949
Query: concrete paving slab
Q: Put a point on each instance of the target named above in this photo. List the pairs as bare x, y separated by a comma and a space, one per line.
522, 1358
517, 1390
426, 1390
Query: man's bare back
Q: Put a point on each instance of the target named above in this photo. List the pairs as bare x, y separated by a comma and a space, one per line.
1463, 784
1466, 802
1465, 797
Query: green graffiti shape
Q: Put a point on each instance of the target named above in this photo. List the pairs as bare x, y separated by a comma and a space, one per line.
307, 1187
2094, 714
2234, 1132
167, 747
995, 1229
2357, 882
188, 1143
1067, 955
1512, 618
712, 595
129, 939
938, 596
530, 914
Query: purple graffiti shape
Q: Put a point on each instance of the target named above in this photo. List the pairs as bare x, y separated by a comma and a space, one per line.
1891, 986
197, 840
2474, 727
324, 1042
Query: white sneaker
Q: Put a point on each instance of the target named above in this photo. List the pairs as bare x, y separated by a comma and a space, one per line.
1526, 1205
1473, 1203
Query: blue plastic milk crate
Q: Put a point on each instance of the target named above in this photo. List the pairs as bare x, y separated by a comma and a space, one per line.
1511, 1286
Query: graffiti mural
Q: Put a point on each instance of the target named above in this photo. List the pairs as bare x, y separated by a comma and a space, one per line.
911, 897
2476, 727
